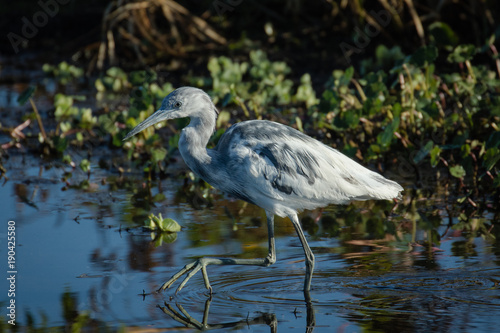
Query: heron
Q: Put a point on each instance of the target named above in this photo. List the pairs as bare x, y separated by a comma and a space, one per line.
268, 164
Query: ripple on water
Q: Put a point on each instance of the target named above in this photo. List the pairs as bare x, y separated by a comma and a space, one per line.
247, 286
261, 288
282, 285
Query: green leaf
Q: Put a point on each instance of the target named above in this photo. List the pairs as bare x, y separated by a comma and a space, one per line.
491, 158
435, 153
26, 95
63, 101
170, 225
159, 197
47, 68
223, 118
345, 120
493, 140
158, 154
346, 78
60, 143
67, 159
214, 67
462, 53
425, 54
496, 181
385, 138
116, 72
350, 151
99, 85
457, 171
137, 78
375, 148
442, 34
164, 225
117, 141
85, 165
423, 152
396, 110
431, 109
227, 99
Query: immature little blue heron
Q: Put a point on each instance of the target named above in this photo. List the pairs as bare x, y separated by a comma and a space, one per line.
267, 164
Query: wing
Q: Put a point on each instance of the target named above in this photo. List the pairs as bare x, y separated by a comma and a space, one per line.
272, 164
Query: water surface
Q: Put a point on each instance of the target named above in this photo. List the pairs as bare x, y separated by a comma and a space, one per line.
83, 260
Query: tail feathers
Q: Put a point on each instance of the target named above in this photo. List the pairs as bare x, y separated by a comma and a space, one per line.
360, 183
383, 188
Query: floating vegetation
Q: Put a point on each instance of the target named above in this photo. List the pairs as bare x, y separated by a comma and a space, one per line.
161, 224
163, 230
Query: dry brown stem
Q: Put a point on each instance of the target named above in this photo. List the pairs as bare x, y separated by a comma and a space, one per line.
152, 27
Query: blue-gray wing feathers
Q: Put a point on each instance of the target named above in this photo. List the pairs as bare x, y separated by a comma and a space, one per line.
282, 169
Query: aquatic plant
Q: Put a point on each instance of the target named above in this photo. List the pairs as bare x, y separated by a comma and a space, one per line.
163, 230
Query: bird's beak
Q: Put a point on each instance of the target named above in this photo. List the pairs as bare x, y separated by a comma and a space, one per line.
155, 118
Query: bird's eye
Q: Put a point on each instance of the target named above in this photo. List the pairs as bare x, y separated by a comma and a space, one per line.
177, 104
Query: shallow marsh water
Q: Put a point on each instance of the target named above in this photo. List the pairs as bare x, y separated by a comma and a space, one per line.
84, 261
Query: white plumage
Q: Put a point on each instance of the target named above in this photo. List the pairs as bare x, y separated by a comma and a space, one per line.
284, 171
268, 164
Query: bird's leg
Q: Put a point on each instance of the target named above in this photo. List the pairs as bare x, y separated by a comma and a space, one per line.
271, 255
202, 263
307, 251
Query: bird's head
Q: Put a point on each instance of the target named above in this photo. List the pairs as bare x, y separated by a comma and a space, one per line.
181, 103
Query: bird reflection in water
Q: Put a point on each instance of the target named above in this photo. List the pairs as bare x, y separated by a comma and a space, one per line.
180, 314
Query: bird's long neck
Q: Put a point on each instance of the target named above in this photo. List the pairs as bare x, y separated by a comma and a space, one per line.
193, 145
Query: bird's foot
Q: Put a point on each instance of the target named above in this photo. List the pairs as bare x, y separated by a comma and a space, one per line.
190, 270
